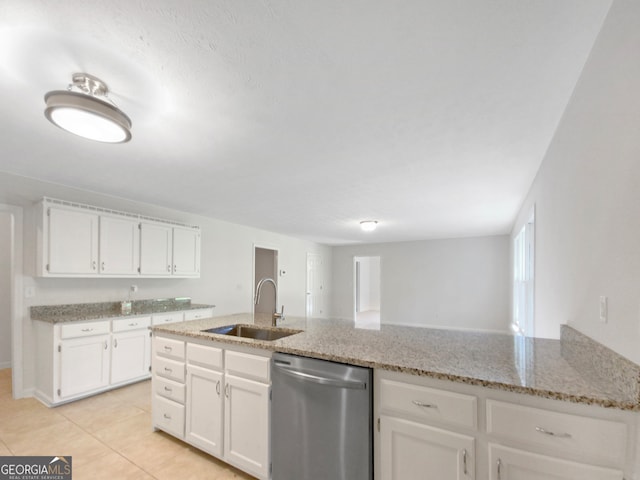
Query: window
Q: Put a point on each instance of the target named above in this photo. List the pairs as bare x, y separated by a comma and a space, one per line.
523, 276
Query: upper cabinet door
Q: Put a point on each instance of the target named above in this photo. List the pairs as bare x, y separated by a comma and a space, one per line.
119, 246
72, 242
156, 243
186, 252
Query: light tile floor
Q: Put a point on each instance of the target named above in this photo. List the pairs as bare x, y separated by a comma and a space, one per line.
109, 437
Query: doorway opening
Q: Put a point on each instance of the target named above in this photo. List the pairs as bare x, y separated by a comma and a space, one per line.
315, 286
366, 305
265, 266
11, 290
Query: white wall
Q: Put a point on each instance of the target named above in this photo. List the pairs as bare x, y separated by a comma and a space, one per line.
5, 289
226, 269
456, 283
587, 197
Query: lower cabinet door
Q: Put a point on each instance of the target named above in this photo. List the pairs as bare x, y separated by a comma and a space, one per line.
84, 365
130, 355
204, 422
246, 439
413, 451
511, 464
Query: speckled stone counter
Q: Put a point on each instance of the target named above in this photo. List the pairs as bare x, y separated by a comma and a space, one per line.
78, 312
518, 364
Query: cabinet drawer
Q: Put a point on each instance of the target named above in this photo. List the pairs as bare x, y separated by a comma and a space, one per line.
162, 318
168, 347
168, 416
84, 329
207, 357
167, 368
198, 314
429, 404
169, 389
133, 323
564, 434
247, 365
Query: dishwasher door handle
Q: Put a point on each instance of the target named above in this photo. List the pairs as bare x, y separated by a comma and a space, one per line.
331, 382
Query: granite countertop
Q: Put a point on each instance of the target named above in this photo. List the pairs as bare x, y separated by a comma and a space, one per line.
540, 367
93, 311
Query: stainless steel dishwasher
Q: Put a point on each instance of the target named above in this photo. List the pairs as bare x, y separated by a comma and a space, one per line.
321, 420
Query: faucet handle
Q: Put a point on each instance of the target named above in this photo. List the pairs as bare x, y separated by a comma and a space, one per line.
277, 316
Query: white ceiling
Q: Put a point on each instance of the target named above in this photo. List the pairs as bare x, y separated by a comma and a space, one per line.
303, 117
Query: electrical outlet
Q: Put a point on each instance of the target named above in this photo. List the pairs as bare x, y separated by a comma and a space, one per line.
29, 292
604, 309
134, 288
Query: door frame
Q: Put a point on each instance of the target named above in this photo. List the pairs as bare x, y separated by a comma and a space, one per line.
307, 291
355, 280
253, 272
16, 275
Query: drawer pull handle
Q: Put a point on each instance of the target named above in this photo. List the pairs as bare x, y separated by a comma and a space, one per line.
499, 463
167, 389
167, 416
424, 405
168, 370
553, 434
167, 348
87, 329
464, 460
133, 324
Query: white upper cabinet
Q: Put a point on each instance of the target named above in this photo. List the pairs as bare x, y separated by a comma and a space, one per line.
119, 245
83, 241
186, 252
156, 249
72, 246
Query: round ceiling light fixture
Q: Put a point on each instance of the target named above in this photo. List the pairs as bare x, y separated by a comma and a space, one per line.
368, 225
84, 109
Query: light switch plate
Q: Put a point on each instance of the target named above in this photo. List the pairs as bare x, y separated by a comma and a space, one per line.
604, 310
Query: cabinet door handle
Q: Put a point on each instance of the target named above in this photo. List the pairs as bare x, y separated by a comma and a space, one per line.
499, 464
424, 405
226, 391
115, 343
218, 388
553, 434
464, 460
106, 344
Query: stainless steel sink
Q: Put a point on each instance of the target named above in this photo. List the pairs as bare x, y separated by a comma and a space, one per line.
252, 331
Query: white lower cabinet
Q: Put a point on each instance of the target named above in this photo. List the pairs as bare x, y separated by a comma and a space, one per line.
411, 450
246, 425
204, 422
511, 464
226, 400
427, 428
130, 349
84, 365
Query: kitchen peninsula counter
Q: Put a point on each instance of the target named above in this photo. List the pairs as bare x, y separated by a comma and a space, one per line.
555, 369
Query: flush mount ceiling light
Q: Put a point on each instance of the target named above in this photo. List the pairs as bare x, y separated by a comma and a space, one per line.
368, 225
85, 110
